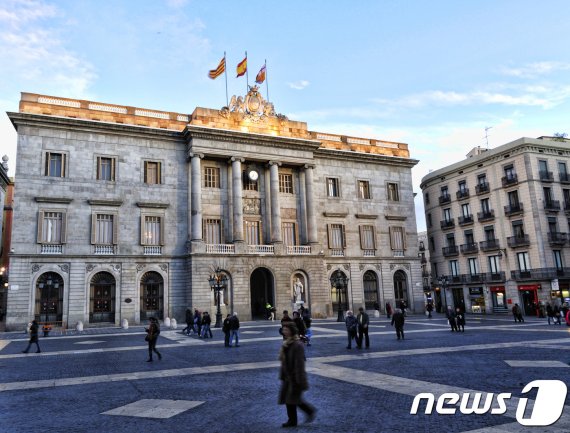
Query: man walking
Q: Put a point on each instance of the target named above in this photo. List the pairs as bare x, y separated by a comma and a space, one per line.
363, 321
398, 323
234, 329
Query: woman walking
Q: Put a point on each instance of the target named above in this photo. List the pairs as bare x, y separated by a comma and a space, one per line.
293, 376
152, 333
33, 337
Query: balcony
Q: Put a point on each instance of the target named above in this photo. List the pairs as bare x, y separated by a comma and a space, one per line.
486, 215
494, 277
455, 279
564, 178
513, 209
368, 253
303, 250
552, 205
446, 198
473, 278
546, 176
152, 250
489, 245
510, 180
104, 250
51, 249
469, 248
261, 249
540, 274
337, 252
482, 188
518, 241
447, 224
450, 251
220, 249
464, 220
557, 238
462, 194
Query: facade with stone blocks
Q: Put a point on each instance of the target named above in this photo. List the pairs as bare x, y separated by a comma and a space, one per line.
126, 213
498, 225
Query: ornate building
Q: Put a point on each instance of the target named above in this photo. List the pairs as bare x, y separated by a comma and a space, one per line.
124, 213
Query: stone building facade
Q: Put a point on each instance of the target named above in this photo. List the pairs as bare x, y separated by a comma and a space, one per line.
125, 213
498, 225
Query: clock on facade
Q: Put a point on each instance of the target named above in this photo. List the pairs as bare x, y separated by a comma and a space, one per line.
253, 175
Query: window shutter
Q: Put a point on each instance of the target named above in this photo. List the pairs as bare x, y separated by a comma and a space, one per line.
162, 219
391, 238
404, 237
46, 173
374, 237
329, 235
64, 227
98, 168
63, 165
115, 228
145, 169
93, 228
204, 232
40, 226
361, 230
143, 239
158, 173
222, 237
113, 174
343, 236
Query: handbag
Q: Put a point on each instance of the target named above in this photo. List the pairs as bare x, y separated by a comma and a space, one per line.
147, 337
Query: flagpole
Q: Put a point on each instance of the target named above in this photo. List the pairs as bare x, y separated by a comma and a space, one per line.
226, 75
246, 75
266, 81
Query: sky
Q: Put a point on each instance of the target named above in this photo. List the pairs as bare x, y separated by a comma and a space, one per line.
433, 74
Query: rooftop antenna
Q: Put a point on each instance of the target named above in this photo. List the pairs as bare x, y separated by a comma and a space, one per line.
487, 135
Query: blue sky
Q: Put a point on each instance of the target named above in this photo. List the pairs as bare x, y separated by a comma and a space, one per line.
431, 74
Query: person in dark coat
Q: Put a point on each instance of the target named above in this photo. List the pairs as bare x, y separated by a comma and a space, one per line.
460, 319
363, 322
152, 333
388, 310
293, 376
451, 318
206, 322
226, 330
398, 322
429, 309
285, 319
234, 329
299, 323
351, 326
517, 313
550, 313
189, 322
556, 311
34, 338
197, 322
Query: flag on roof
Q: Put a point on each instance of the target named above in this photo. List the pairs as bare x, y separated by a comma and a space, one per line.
215, 73
260, 77
241, 67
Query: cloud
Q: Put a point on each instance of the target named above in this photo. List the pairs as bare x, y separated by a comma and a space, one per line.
15, 13
299, 85
176, 4
533, 70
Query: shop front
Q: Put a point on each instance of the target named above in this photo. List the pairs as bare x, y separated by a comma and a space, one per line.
477, 300
499, 299
528, 295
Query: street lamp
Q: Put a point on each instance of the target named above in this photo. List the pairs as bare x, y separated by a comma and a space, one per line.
340, 282
443, 283
218, 282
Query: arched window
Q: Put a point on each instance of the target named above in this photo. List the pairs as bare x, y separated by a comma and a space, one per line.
152, 295
370, 290
102, 298
49, 298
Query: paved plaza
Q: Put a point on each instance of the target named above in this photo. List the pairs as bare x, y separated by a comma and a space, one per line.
99, 380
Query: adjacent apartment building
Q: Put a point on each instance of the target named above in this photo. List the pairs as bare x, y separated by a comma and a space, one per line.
498, 226
125, 213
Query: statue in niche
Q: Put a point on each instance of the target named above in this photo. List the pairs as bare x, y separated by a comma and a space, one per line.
298, 290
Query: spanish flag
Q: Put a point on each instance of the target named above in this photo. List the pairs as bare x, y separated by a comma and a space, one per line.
241, 67
215, 73
260, 77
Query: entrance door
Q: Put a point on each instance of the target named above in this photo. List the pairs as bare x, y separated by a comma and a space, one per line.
530, 305
152, 296
262, 292
49, 298
458, 298
400, 289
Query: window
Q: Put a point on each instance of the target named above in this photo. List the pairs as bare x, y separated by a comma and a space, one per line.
211, 177
212, 231
397, 238
52, 227
103, 229
432, 244
485, 208
510, 172
494, 264
482, 180
518, 230
466, 210
469, 239
566, 195
367, 238
429, 220
363, 189
450, 240
427, 198
542, 167
547, 194
393, 193
462, 186
152, 173
523, 261
105, 168
513, 197
336, 237
473, 266
552, 225
444, 191
454, 268
333, 187
252, 232
447, 215
285, 183
289, 233
55, 164
490, 233
558, 260
562, 170
152, 230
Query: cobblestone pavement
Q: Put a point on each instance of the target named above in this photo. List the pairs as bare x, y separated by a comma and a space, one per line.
99, 381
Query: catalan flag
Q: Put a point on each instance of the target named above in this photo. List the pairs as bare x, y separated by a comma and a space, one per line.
215, 73
241, 67
260, 77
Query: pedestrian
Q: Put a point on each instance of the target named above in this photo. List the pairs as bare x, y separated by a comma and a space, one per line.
189, 322
388, 310
300, 324
152, 333
351, 325
398, 322
206, 322
234, 329
451, 318
556, 311
34, 337
517, 313
293, 376
197, 322
270, 311
363, 322
429, 309
286, 318
550, 313
226, 330
460, 319
308, 332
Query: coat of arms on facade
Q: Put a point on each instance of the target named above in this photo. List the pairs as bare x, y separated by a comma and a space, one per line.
253, 107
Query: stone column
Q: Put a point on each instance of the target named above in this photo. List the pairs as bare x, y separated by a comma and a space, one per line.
237, 198
196, 197
275, 206
311, 217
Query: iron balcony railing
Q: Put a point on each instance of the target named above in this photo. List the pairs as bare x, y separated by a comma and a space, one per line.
494, 276
565, 177
469, 248
541, 274
462, 193
557, 238
447, 224
552, 205
546, 176
482, 188
567, 205
465, 219
450, 251
510, 180
446, 198
486, 215
518, 241
513, 209
489, 245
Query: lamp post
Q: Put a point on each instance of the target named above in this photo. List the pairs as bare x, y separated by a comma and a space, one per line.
218, 282
443, 283
340, 282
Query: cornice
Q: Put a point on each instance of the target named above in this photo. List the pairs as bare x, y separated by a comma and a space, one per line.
153, 205
95, 202
365, 157
63, 200
366, 216
335, 214
396, 217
